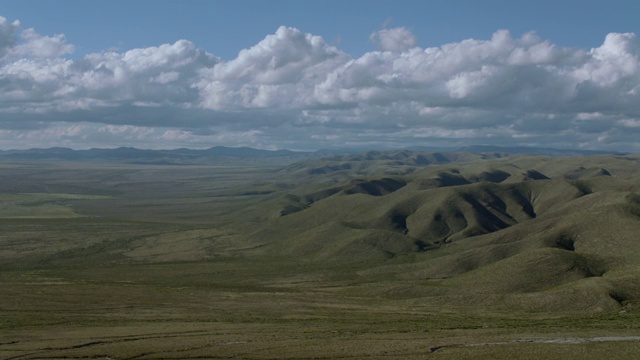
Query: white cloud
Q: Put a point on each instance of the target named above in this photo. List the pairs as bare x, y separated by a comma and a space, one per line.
630, 123
396, 39
38, 46
165, 77
294, 90
589, 116
279, 71
7, 35
163, 74
616, 59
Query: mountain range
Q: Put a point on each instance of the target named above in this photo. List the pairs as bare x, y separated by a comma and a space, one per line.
216, 153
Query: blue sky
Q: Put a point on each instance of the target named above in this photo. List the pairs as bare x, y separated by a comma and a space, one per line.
226, 27
316, 74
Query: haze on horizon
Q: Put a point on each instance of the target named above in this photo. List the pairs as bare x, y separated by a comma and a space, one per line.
302, 86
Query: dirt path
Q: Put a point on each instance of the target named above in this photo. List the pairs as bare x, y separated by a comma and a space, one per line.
554, 340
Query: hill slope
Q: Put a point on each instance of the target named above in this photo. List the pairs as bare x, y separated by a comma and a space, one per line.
450, 229
548, 233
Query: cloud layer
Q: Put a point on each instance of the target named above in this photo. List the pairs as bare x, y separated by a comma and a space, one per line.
293, 90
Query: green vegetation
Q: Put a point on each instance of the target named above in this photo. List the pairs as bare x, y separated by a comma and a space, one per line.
388, 255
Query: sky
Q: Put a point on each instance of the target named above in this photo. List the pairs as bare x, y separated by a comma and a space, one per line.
309, 75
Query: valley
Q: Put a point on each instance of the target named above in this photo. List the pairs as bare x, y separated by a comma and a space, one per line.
382, 255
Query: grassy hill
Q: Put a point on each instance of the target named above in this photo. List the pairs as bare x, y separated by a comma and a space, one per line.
398, 254
550, 234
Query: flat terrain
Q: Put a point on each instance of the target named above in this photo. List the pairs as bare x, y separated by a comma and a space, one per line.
398, 255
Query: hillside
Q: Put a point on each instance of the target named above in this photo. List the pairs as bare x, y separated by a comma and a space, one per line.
384, 254
551, 233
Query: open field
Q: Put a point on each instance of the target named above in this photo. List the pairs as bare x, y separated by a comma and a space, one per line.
379, 256
195, 313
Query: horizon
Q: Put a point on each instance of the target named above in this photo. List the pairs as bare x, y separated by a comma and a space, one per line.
305, 76
414, 148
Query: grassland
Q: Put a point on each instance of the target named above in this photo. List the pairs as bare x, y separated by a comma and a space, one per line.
382, 256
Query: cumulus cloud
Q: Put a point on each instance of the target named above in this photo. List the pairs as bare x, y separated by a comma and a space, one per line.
396, 39
293, 90
36, 45
278, 72
29, 43
7, 35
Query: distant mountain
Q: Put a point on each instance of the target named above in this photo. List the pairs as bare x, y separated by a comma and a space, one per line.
533, 150
246, 152
134, 155
421, 156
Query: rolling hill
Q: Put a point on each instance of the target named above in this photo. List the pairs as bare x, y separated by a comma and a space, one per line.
383, 254
535, 232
